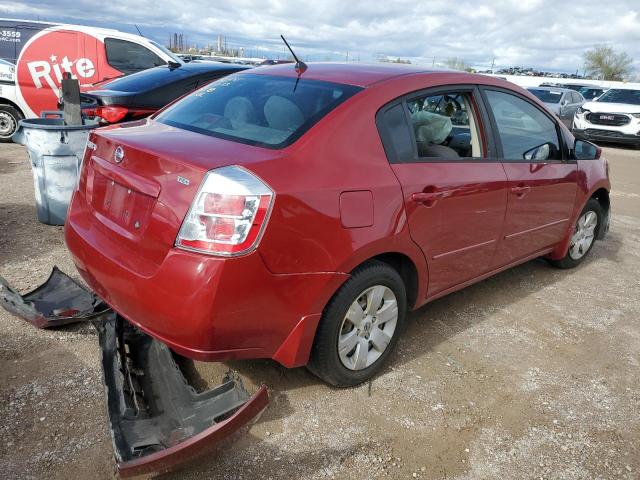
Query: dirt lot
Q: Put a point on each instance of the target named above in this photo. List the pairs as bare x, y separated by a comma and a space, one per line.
534, 373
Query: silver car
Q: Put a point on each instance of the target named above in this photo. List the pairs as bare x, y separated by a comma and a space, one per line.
561, 101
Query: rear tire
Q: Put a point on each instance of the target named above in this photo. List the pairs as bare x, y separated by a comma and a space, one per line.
360, 326
9, 118
586, 230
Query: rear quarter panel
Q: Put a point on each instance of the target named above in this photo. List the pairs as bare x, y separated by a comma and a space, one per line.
342, 153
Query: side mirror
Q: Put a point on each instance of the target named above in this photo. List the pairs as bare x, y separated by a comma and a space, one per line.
541, 152
564, 103
583, 150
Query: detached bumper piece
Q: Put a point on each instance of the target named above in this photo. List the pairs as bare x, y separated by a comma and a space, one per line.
59, 301
158, 420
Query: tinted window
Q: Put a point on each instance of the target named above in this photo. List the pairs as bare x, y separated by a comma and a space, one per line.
522, 127
129, 57
619, 95
547, 96
576, 98
445, 126
257, 109
396, 134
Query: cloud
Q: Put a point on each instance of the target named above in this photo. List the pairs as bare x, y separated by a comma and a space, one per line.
539, 33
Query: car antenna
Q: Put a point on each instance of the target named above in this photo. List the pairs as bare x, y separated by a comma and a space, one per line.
139, 32
300, 66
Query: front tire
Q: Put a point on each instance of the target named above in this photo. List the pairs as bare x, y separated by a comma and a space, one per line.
584, 235
360, 326
9, 118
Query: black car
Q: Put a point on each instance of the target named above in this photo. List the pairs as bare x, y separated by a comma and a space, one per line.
141, 94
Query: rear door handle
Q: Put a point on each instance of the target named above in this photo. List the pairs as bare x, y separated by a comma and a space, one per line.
424, 196
427, 198
521, 190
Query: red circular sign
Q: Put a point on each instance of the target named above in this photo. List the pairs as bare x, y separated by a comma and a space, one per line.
48, 56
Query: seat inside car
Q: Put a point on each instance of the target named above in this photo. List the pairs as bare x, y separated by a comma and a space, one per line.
431, 131
239, 110
282, 114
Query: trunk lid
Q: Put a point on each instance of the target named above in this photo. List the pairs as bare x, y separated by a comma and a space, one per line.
140, 179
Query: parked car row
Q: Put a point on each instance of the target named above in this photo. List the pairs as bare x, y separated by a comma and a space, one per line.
611, 116
589, 92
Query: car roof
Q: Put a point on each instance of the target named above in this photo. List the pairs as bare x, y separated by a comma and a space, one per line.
357, 74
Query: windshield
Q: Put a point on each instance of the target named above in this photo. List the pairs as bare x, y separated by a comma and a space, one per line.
168, 52
619, 95
590, 93
547, 96
258, 110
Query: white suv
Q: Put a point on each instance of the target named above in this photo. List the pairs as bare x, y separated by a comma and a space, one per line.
613, 117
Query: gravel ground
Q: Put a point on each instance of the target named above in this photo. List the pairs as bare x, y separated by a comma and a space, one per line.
534, 373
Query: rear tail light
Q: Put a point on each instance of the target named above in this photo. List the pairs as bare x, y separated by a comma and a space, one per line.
111, 113
228, 215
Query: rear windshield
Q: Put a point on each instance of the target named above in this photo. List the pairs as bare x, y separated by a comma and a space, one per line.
257, 110
547, 96
619, 95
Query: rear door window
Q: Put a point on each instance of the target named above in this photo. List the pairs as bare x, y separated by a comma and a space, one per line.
525, 132
445, 126
261, 110
130, 57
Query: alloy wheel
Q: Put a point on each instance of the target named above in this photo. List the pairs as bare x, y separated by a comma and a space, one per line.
368, 327
584, 235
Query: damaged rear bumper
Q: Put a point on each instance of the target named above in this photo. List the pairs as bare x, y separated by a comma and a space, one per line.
59, 301
157, 419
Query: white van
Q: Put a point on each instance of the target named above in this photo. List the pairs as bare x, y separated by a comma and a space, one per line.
34, 56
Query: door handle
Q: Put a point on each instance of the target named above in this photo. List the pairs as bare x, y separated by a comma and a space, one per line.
427, 198
520, 190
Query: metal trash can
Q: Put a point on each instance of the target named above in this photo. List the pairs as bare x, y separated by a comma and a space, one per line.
56, 152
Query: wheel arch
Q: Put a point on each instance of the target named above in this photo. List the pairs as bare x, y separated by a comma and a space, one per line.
6, 101
602, 196
405, 267
295, 350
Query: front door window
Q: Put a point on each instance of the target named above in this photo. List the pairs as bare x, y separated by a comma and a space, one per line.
523, 128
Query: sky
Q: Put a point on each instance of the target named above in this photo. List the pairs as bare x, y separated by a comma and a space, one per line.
545, 34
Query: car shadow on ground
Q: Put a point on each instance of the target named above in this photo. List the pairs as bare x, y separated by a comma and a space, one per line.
432, 324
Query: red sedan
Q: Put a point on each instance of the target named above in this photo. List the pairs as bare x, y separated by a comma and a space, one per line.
299, 217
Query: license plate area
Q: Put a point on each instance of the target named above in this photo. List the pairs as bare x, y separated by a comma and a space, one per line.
121, 204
